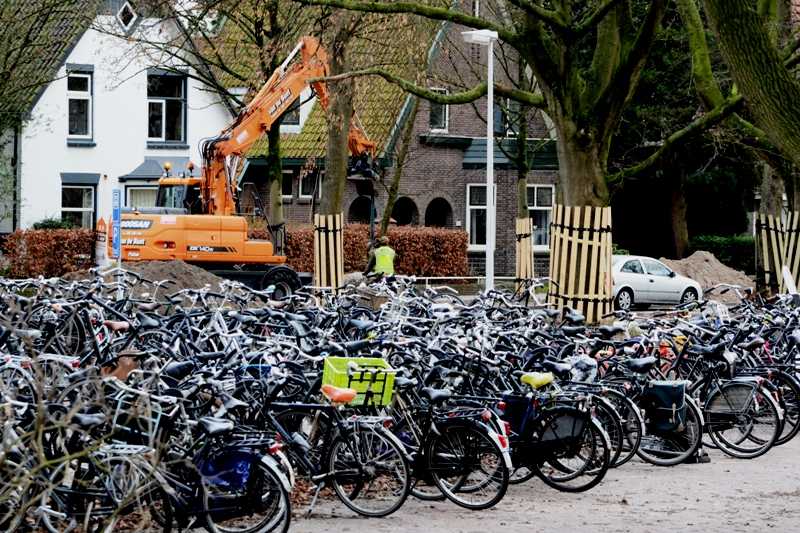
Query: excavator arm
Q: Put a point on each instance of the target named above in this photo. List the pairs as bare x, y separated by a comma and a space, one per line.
221, 155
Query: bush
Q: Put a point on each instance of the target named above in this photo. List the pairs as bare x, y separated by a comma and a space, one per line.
52, 223
420, 251
735, 251
50, 252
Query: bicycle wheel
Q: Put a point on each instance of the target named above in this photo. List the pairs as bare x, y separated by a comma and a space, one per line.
262, 505
788, 395
468, 466
369, 471
632, 425
579, 456
751, 423
673, 447
611, 422
74, 498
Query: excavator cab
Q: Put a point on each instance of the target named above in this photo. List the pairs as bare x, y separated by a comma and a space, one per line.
180, 194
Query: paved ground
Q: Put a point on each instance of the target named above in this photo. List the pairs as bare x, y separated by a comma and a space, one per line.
726, 495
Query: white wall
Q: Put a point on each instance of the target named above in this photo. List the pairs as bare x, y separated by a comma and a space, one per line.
120, 124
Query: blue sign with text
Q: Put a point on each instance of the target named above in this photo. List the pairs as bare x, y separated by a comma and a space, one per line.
116, 207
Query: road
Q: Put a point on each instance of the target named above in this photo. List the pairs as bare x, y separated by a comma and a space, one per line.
726, 495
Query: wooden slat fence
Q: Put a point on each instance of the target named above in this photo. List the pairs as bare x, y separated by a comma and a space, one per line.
580, 260
778, 245
524, 233
328, 250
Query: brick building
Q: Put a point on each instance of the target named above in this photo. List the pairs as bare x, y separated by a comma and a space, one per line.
444, 176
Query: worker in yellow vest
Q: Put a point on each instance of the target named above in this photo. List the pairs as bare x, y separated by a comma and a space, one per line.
381, 259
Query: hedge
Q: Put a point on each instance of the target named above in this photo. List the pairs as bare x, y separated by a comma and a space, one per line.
52, 252
420, 251
735, 251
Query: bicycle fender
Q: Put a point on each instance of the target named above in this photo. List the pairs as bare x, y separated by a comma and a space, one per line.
273, 465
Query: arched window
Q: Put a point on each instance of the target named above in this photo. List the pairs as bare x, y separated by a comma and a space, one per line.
439, 214
405, 212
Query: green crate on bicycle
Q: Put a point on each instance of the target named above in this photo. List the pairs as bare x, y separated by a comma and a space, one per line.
362, 374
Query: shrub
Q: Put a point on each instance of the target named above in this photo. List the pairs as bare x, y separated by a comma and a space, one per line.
735, 251
420, 251
50, 252
52, 223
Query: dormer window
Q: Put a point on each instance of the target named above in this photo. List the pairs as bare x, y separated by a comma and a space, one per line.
126, 16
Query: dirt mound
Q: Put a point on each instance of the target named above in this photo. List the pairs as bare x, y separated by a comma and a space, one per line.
706, 270
184, 275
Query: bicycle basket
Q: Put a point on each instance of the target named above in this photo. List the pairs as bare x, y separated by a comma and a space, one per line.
370, 374
664, 403
564, 427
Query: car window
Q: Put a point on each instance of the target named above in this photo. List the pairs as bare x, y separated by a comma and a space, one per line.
633, 267
654, 268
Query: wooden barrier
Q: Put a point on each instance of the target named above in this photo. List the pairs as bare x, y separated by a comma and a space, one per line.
328, 251
778, 245
524, 234
580, 260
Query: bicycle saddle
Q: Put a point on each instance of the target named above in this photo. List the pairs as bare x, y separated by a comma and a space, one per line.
570, 331
178, 369
537, 380
148, 306
87, 421
560, 369
573, 317
794, 338
215, 426
115, 325
641, 365
752, 344
436, 395
707, 351
147, 321
609, 331
401, 383
338, 395
361, 324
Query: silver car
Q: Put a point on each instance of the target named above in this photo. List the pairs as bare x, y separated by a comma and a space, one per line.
643, 280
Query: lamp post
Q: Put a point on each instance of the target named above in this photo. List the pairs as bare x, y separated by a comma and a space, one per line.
487, 38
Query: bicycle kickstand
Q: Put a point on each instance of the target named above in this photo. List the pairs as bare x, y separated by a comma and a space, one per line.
314, 499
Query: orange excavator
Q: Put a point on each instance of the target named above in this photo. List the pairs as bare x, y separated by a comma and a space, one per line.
195, 218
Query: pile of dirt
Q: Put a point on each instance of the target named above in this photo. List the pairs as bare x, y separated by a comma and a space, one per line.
184, 275
706, 270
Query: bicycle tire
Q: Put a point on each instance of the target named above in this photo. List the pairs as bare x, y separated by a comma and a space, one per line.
691, 435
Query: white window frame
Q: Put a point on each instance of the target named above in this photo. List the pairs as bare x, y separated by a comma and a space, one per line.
128, 26
534, 186
291, 179
300, 188
89, 209
129, 188
163, 104
475, 247
441, 90
81, 95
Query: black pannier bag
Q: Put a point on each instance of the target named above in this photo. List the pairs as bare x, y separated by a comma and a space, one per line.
664, 403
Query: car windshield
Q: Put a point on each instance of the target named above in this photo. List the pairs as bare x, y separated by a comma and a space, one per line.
654, 268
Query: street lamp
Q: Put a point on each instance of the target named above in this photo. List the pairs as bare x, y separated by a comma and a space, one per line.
487, 38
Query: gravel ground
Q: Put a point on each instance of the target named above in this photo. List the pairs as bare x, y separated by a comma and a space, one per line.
725, 495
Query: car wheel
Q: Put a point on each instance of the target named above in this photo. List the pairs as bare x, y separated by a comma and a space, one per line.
689, 295
624, 300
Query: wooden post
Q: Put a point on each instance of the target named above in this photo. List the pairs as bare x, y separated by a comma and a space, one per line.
328, 251
524, 249
580, 260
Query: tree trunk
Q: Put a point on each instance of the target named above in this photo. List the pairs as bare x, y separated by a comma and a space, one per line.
275, 175
771, 191
339, 116
580, 170
771, 91
402, 155
680, 230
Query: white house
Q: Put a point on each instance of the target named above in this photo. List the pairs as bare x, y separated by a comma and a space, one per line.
109, 119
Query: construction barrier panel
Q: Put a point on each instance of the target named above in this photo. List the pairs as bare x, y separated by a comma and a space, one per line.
777, 246
524, 233
580, 260
328, 251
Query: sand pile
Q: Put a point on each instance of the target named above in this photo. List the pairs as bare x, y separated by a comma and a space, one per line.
706, 270
184, 275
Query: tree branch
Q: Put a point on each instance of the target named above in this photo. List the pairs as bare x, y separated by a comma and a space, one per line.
431, 12
700, 124
463, 97
590, 21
